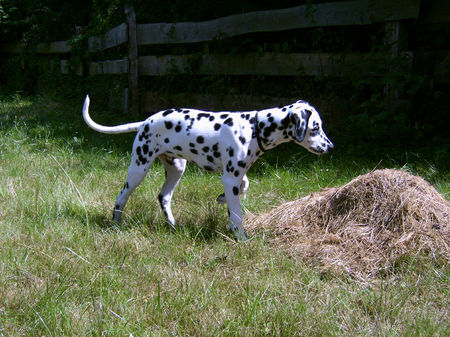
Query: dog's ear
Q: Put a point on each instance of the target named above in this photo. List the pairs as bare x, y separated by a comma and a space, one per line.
301, 124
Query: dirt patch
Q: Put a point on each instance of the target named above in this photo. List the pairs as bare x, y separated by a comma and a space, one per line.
364, 226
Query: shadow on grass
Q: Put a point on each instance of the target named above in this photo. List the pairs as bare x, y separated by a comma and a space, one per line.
45, 119
208, 228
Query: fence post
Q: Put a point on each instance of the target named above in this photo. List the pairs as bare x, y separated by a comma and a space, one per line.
133, 70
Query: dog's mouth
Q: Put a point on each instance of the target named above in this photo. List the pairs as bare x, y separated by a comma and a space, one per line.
322, 148
318, 150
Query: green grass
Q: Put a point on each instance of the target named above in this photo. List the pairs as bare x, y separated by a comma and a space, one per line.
66, 270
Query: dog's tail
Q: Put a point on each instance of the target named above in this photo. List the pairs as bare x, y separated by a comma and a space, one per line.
130, 127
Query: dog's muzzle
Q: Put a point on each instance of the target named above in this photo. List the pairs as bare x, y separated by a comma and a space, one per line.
325, 146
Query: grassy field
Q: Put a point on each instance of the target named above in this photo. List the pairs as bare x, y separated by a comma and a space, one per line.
66, 270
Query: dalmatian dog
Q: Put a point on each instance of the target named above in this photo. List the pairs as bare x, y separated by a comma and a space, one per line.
225, 142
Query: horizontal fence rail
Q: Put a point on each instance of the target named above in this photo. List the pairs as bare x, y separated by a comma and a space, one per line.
345, 13
269, 64
304, 16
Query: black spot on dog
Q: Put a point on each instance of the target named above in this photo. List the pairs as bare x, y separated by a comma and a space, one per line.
205, 149
178, 148
268, 130
236, 173
231, 152
166, 140
245, 116
208, 168
145, 148
228, 121
235, 190
138, 150
240, 163
178, 127
217, 126
223, 116
285, 121
242, 139
202, 115
194, 151
210, 159
186, 117
216, 154
200, 139
143, 160
191, 144
230, 167
168, 125
215, 147
167, 112
186, 111
211, 118
190, 125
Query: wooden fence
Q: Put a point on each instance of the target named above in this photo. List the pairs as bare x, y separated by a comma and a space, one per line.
346, 13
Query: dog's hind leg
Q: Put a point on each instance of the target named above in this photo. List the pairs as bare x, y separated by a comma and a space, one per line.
136, 173
174, 170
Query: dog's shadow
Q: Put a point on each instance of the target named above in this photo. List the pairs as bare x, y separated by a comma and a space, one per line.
206, 229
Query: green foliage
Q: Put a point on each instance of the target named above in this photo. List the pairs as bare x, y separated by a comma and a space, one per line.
40, 21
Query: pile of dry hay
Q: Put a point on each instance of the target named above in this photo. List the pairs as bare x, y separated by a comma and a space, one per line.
364, 226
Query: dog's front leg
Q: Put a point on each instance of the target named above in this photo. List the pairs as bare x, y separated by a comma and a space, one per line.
231, 186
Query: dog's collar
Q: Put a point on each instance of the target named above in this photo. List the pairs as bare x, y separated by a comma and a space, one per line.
257, 133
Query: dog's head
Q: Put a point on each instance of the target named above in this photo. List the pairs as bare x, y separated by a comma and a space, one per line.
307, 128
